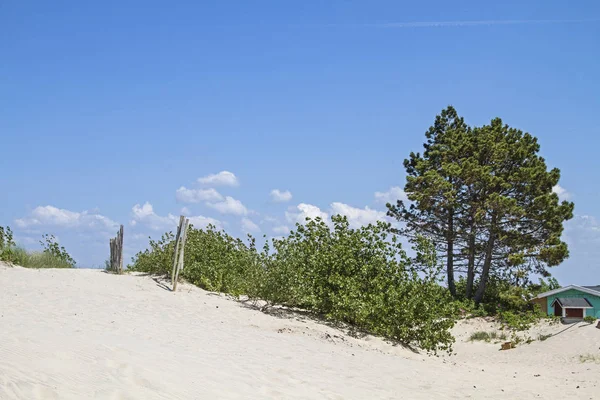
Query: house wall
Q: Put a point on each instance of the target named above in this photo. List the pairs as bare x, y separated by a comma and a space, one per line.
594, 300
542, 303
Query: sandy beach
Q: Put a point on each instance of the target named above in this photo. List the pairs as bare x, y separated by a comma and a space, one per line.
85, 334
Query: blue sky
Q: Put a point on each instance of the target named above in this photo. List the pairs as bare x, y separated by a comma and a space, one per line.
108, 108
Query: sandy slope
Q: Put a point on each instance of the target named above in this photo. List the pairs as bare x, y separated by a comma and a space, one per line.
84, 334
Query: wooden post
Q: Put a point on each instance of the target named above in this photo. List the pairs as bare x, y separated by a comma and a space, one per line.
177, 237
116, 253
111, 260
120, 240
179, 265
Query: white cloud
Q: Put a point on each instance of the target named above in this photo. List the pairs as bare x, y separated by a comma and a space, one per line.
281, 229
279, 196
229, 206
561, 192
249, 226
224, 178
185, 211
145, 215
357, 217
303, 211
185, 195
391, 196
200, 221
59, 217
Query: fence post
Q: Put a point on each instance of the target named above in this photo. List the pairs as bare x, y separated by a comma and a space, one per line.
116, 252
120, 240
111, 264
177, 237
179, 260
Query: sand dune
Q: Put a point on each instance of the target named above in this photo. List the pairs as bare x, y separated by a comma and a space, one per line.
84, 334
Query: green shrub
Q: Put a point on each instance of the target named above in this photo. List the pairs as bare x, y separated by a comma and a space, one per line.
158, 259
589, 319
7, 245
357, 276
55, 253
519, 321
52, 255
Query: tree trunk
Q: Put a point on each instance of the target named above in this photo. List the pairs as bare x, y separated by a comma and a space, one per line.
485, 273
471, 262
450, 254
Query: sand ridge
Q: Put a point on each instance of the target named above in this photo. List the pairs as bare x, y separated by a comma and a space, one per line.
85, 334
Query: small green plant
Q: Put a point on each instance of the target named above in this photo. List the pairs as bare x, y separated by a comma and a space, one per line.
7, 245
516, 339
54, 250
589, 319
541, 337
481, 335
591, 358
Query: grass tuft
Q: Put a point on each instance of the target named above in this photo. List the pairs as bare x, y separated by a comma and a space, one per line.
541, 337
36, 259
487, 336
593, 358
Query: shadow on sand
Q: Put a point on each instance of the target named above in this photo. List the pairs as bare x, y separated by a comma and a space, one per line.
301, 315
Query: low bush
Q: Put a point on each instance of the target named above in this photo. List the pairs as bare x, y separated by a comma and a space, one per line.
589, 319
357, 276
519, 321
52, 255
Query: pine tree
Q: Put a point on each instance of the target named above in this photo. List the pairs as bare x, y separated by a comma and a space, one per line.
484, 197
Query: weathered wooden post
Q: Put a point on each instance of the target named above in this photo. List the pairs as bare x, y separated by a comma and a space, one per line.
175, 254
120, 239
178, 264
116, 252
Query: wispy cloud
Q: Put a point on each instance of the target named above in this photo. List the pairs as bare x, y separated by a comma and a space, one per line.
451, 24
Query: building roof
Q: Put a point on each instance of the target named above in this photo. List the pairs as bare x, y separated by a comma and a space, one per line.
572, 302
593, 290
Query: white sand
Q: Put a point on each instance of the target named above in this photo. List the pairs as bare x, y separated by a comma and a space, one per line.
84, 334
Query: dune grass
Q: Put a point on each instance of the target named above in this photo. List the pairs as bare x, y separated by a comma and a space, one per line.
487, 336
37, 259
34, 259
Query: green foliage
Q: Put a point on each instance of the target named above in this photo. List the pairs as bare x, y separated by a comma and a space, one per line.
589, 319
542, 337
53, 250
7, 245
358, 276
519, 321
52, 255
158, 259
484, 196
